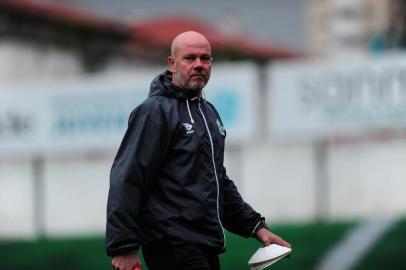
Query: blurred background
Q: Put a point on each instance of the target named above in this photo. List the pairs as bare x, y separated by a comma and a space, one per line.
312, 94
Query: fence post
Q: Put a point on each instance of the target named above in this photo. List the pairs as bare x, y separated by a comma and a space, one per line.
38, 196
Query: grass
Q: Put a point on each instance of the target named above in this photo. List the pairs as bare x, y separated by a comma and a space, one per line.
310, 242
61, 254
389, 252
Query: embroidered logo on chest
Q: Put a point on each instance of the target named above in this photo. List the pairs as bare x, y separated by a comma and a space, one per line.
222, 130
189, 128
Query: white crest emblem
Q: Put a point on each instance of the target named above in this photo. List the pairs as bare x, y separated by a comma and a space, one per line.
222, 130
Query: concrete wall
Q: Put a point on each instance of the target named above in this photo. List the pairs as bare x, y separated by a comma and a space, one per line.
73, 196
21, 61
368, 179
365, 179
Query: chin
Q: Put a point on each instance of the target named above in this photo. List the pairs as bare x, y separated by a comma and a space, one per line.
195, 87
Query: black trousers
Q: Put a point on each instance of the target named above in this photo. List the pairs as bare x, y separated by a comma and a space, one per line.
162, 256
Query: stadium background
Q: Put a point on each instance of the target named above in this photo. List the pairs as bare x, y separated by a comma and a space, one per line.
312, 94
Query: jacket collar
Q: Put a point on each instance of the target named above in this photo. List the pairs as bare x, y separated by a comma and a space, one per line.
162, 85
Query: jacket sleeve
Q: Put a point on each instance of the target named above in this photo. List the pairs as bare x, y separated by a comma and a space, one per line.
238, 216
132, 175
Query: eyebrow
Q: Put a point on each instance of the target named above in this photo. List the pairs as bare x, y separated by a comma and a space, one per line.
196, 54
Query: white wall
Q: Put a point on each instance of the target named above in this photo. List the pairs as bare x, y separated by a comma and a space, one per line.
19, 62
278, 180
16, 199
367, 180
76, 194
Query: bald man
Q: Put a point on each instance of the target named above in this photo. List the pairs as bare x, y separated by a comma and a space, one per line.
169, 191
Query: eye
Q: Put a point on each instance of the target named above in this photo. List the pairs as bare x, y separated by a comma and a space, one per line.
205, 59
190, 58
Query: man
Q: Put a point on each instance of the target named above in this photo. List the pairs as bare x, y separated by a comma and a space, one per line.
169, 191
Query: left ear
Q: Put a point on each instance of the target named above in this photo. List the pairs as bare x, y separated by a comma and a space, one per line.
171, 64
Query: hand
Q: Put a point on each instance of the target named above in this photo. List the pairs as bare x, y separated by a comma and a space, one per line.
266, 238
127, 262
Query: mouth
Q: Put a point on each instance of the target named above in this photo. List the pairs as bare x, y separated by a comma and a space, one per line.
200, 76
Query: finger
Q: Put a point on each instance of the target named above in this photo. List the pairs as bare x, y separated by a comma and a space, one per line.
283, 243
138, 266
113, 264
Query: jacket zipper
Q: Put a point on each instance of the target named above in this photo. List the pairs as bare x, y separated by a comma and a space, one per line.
215, 174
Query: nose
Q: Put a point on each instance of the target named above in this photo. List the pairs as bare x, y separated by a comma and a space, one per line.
199, 69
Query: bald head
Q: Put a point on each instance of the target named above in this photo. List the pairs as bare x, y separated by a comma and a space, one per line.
189, 38
190, 61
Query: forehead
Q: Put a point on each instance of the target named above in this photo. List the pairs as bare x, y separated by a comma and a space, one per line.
194, 48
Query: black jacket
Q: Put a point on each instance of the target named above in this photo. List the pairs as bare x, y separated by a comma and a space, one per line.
168, 181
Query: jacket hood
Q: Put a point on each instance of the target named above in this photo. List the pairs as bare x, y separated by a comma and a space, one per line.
162, 85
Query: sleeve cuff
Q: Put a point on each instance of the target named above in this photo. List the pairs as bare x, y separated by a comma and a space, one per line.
260, 225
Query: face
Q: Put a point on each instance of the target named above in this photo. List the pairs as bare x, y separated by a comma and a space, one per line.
191, 65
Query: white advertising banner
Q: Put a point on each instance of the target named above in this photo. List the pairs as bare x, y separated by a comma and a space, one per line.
92, 114
348, 97
88, 114
233, 89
